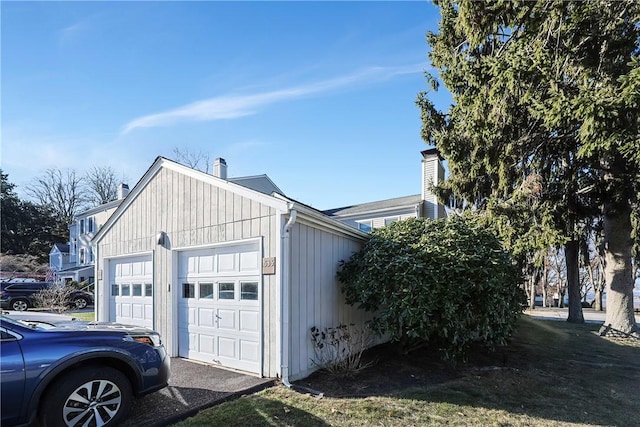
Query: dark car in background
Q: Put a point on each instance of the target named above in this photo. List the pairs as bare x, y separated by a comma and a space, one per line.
19, 296
74, 373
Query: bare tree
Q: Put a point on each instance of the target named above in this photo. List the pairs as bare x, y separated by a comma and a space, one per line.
102, 185
62, 191
197, 160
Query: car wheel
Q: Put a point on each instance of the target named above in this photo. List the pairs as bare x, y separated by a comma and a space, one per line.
90, 396
19, 304
80, 303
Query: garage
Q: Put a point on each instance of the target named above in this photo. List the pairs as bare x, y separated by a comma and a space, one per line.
219, 305
131, 294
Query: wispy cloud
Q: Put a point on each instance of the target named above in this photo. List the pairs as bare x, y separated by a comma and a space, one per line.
235, 106
73, 32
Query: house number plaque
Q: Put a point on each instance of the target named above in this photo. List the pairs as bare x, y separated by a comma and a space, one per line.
269, 265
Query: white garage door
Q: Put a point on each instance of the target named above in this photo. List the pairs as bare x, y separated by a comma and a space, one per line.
219, 306
131, 299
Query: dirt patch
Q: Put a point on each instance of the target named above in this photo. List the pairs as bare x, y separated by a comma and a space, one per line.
390, 373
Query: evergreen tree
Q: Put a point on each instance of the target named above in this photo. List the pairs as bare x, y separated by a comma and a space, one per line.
546, 92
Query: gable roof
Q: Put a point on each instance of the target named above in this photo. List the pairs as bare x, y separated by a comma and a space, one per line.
261, 183
378, 206
162, 162
61, 247
103, 207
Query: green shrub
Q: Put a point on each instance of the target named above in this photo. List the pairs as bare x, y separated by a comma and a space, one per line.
443, 283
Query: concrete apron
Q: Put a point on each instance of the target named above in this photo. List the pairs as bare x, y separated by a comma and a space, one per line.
193, 386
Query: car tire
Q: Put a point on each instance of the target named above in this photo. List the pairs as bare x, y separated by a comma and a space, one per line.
19, 304
93, 395
80, 303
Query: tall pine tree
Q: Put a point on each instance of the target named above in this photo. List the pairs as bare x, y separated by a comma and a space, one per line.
545, 92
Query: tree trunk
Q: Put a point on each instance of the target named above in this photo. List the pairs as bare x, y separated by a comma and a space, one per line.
618, 269
573, 282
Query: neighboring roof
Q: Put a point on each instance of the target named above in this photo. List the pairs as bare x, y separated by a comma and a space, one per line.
260, 183
76, 268
380, 205
62, 247
320, 217
105, 206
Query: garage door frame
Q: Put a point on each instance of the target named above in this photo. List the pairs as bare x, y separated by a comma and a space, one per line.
176, 289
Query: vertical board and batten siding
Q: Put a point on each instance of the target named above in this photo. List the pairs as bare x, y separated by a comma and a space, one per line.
316, 299
432, 174
192, 213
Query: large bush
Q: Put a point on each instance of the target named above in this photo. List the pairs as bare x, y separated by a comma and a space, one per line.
444, 283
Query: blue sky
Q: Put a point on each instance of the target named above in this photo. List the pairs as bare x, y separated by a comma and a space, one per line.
318, 95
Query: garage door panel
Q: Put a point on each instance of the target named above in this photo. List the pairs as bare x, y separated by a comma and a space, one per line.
226, 263
206, 317
227, 319
249, 351
249, 261
249, 321
125, 310
207, 344
207, 264
227, 347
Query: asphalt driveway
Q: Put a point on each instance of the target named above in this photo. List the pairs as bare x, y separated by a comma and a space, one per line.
192, 387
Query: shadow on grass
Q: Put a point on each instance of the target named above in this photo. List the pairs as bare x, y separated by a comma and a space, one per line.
254, 411
551, 370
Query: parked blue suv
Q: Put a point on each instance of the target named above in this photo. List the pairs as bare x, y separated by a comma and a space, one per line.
76, 373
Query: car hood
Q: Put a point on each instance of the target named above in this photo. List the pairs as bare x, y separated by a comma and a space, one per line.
78, 325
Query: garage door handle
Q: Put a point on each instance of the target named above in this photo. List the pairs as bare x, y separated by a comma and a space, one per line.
218, 317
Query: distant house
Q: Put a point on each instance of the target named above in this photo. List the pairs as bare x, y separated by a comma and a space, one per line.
229, 270
75, 260
59, 257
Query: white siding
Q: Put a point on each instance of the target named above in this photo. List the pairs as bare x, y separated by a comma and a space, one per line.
192, 213
432, 174
378, 219
316, 299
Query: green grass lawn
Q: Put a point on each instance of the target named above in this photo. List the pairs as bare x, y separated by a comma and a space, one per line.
552, 374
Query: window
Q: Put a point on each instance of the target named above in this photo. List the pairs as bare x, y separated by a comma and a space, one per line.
125, 290
391, 220
90, 224
115, 290
81, 255
206, 290
90, 255
365, 225
226, 291
137, 290
82, 226
249, 291
188, 290
148, 290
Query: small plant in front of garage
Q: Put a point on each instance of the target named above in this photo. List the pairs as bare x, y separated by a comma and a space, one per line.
439, 283
54, 298
339, 349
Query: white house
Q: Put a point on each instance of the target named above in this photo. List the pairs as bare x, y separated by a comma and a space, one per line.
74, 260
229, 271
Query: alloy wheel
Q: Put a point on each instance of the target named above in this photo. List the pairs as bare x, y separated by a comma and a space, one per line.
94, 403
